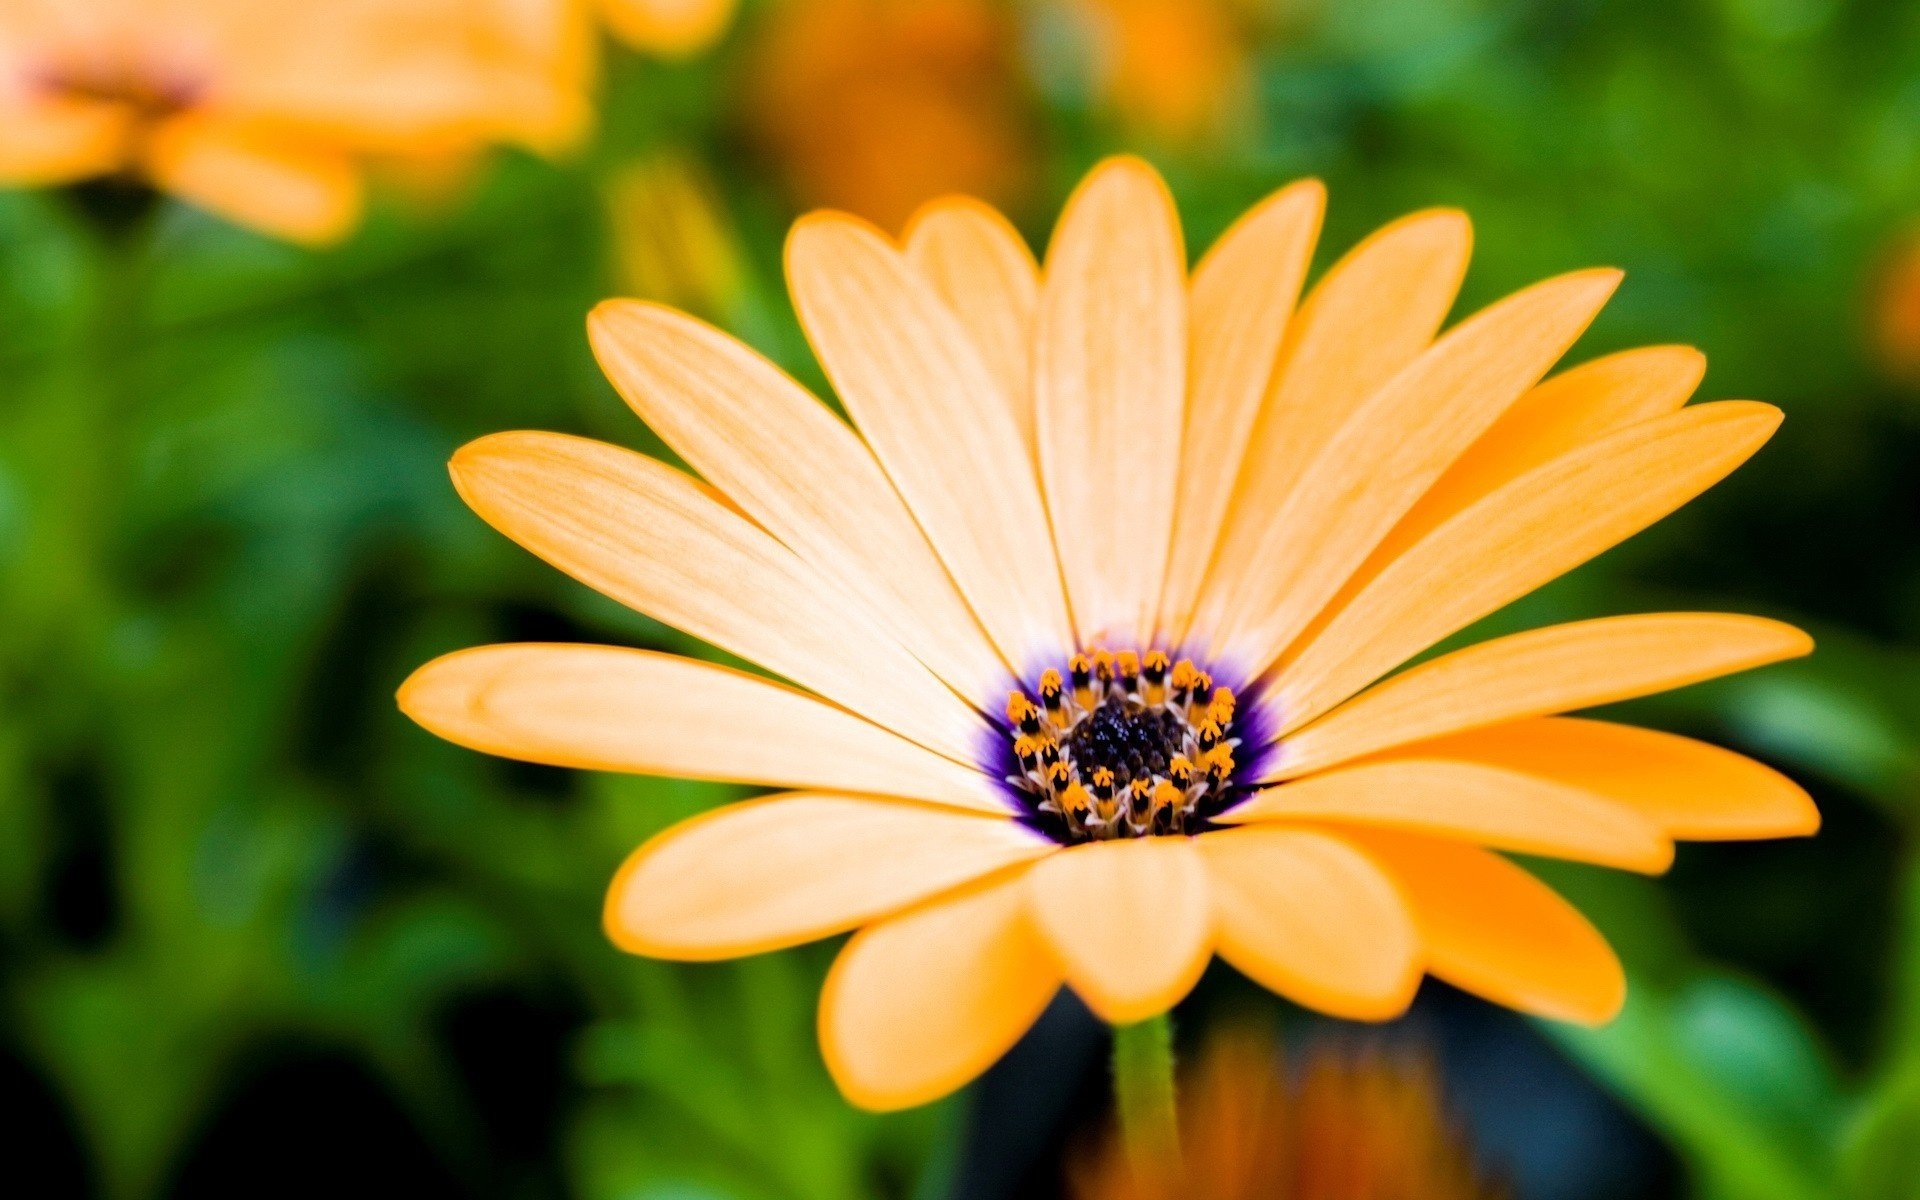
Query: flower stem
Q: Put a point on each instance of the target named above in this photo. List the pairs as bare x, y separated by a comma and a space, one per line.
1143, 1093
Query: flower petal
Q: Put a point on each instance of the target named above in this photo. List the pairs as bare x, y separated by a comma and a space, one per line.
1542, 671
1305, 914
1130, 922
909, 374
787, 869
1519, 537
1474, 803
921, 1003
1373, 313
304, 193
1243, 296
1496, 931
646, 535
667, 27
1110, 381
982, 268
1392, 448
604, 708
52, 140
1690, 789
798, 470
1562, 415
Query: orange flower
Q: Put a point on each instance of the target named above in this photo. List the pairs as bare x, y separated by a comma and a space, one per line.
875, 106
269, 114
1082, 611
1896, 309
1172, 70
1355, 1127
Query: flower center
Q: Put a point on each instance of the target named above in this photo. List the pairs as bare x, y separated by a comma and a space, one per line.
1123, 745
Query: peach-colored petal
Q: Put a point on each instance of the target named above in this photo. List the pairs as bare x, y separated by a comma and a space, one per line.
308, 194
1373, 313
1491, 928
1688, 788
1519, 537
1390, 451
648, 536
798, 470
1243, 295
1561, 415
787, 869
605, 708
1110, 380
1533, 674
921, 1003
1130, 921
55, 140
1473, 803
668, 27
1304, 913
982, 268
909, 374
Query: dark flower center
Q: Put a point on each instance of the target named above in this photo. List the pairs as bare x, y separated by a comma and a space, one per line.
1123, 745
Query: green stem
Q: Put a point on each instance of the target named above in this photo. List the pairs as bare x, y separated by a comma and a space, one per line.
1143, 1093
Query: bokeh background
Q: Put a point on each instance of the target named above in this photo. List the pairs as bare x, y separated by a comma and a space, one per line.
260, 934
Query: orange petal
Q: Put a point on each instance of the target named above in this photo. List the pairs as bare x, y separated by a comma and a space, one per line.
603, 708
279, 185
1496, 931
1243, 295
798, 470
1690, 789
1557, 417
982, 268
909, 374
1304, 913
1110, 381
52, 140
1521, 536
1373, 313
1474, 803
1542, 671
1130, 922
668, 27
1391, 450
919, 1004
646, 535
788, 869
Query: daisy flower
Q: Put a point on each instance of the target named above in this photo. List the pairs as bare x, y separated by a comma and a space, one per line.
1084, 617
269, 115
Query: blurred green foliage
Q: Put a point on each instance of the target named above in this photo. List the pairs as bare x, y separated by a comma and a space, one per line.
226, 535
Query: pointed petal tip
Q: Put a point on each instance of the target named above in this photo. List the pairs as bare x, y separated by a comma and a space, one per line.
422, 694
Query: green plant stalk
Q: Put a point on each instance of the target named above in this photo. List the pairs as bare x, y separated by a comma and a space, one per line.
1143, 1093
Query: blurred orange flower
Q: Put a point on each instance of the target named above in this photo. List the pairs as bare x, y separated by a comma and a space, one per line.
269, 114
1895, 316
1365, 1126
1170, 70
874, 106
